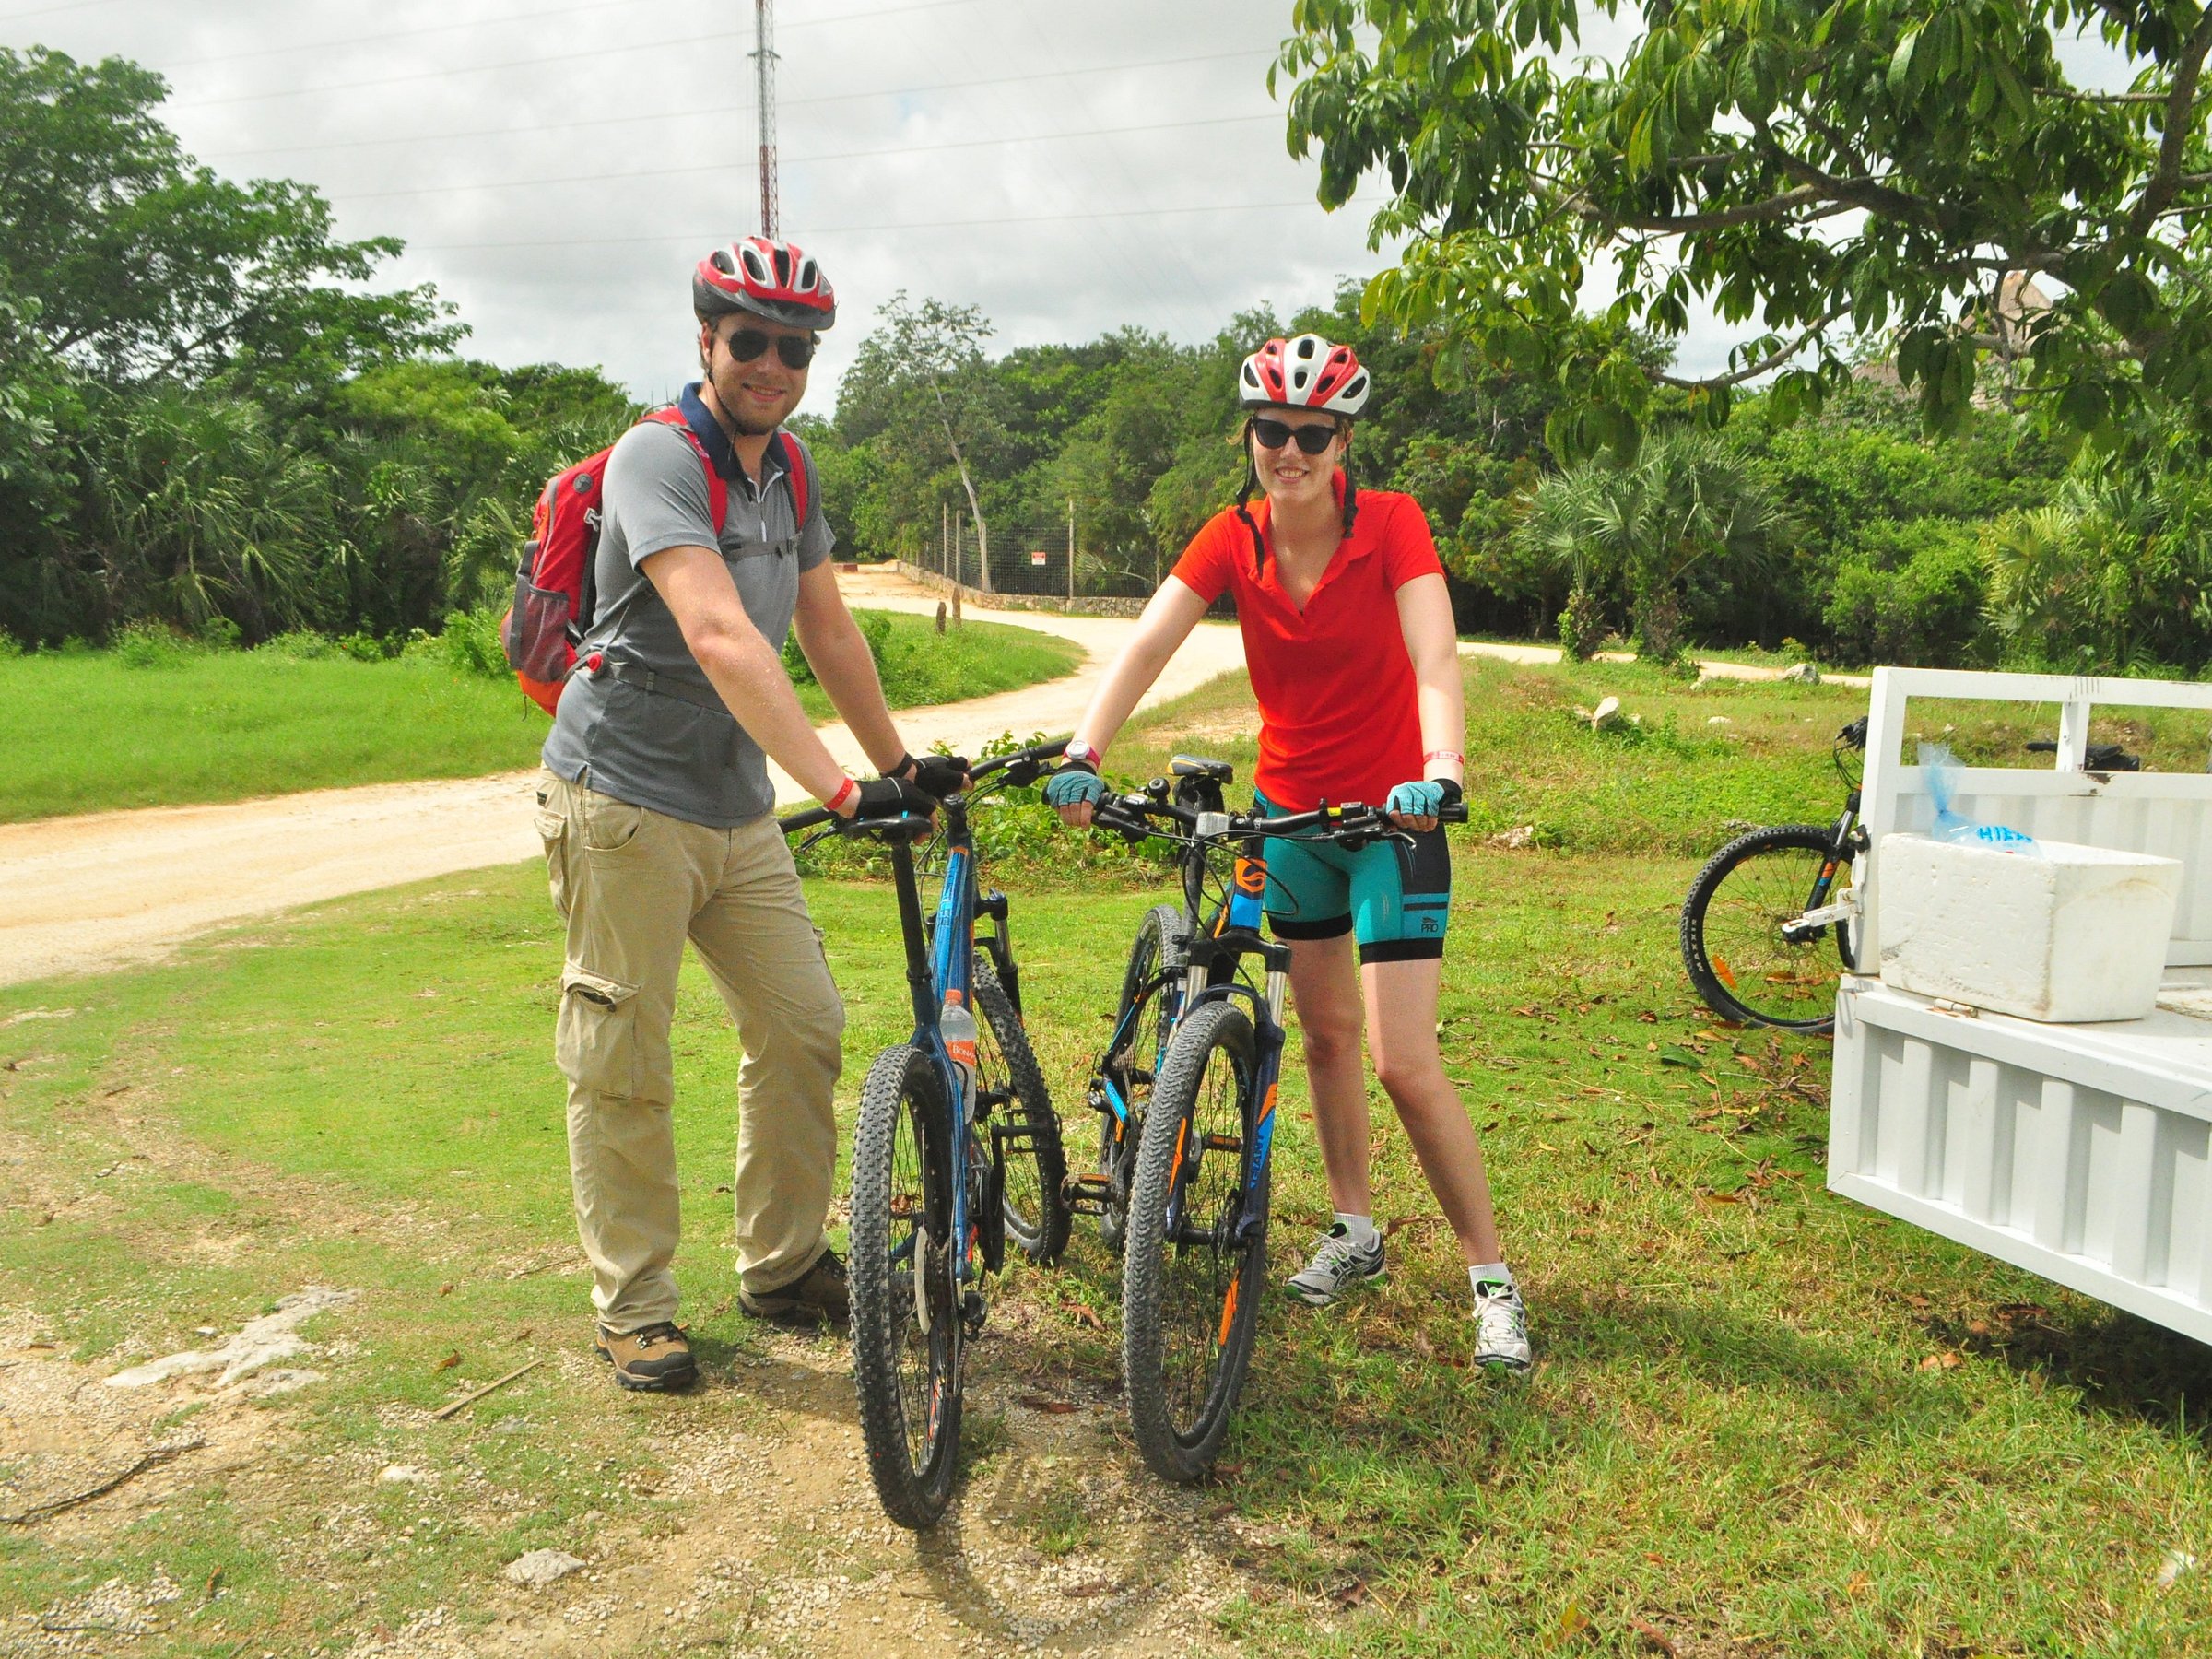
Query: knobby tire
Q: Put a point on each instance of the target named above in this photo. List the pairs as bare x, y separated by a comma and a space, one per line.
907, 1379
1036, 1211
1157, 959
1732, 942
1191, 1291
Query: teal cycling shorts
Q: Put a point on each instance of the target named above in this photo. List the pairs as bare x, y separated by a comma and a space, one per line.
1394, 898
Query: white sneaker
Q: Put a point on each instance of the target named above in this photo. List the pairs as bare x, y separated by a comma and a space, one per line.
1336, 1264
1501, 1329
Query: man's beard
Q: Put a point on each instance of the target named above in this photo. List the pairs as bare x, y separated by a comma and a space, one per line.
731, 402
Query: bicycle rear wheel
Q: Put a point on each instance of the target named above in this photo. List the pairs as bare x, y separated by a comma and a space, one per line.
906, 1308
1196, 1253
1151, 987
1732, 938
1010, 1094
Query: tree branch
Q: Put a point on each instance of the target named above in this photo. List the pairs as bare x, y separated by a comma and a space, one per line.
1773, 359
1746, 213
2181, 106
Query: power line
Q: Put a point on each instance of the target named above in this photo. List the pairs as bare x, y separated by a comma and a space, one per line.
665, 115
819, 231
860, 155
48, 10
570, 57
532, 18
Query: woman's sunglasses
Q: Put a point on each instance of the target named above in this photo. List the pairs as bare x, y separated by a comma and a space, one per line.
1274, 434
746, 344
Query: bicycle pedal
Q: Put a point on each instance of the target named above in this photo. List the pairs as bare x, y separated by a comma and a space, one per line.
973, 1312
1087, 1194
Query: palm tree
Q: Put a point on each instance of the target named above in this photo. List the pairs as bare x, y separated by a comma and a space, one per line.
1640, 526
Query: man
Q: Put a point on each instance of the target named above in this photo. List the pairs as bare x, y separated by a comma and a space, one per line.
657, 818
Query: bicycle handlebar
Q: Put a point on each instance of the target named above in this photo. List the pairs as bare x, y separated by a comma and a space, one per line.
1019, 763
1130, 814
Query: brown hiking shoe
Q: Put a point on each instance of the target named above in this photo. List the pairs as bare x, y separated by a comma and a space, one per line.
656, 1359
816, 1295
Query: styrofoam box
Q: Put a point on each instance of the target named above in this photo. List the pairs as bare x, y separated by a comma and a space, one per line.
2067, 934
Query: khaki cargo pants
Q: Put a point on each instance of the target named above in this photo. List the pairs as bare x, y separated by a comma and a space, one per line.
632, 885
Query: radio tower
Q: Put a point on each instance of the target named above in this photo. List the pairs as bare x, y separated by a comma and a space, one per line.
764, 84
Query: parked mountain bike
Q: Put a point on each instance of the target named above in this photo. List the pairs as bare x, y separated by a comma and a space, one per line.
1149, 1009
1766, 933
957, 1153
1195, 1253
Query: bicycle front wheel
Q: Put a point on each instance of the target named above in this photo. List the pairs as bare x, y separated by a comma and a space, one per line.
1732, 939
1196, 1253
1142, 1021
906, 1309
1010, 1096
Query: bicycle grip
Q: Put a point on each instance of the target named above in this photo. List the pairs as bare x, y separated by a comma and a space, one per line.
799, 821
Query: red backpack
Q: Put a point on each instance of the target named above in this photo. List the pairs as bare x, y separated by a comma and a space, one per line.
554, 591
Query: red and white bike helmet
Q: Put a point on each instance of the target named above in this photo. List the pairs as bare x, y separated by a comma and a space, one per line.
770, 279
1306, 372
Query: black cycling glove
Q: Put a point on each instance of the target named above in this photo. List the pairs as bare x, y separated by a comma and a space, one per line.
937, 775
890, 797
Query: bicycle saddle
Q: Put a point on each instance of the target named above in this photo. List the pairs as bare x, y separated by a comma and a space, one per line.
1191, 766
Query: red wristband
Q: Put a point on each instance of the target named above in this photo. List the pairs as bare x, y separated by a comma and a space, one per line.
1083, 752
845, 792
1443, 755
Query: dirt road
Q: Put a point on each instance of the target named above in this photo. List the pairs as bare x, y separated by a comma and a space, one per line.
96, 891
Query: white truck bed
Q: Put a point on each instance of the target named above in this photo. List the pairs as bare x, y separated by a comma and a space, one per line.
2080, 1152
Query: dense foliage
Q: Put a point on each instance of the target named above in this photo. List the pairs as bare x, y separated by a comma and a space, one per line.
211, 419
1820, 173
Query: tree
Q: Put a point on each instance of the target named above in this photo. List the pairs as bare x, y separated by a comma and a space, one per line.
144, 265
1825, 174
924, 380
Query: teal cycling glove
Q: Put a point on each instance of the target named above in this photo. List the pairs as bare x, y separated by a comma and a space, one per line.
1074, 784
1424, 799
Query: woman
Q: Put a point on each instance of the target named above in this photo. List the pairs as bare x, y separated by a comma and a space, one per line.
1349, 637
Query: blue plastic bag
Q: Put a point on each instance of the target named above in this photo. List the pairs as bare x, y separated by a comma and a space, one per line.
1943, 769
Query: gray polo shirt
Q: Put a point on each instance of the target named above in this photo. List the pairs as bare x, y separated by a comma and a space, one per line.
648, 748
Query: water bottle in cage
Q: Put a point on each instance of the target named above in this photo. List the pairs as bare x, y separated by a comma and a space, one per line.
956, 1024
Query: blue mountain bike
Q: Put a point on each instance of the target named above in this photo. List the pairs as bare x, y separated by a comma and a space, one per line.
1194, 1221
955, 1155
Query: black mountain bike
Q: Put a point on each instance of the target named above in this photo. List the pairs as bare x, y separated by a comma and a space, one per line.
1194, 1252
1150, 1005
1766, 933
955, 1155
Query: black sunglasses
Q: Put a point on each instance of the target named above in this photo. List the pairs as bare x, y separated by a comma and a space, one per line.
1274, 434
746, 344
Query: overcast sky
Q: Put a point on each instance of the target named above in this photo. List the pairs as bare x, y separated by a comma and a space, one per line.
557, 170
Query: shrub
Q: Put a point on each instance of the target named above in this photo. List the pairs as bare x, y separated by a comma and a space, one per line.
362, 647
150, 645
471, 643
1911, 594
300, 645
9, 646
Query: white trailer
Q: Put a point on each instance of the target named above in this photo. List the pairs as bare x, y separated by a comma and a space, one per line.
2082, 1153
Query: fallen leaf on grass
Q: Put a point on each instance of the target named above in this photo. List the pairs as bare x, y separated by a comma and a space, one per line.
1654, 1638
445, 1289
1053, 1407
1858, 1583
1946, 1361
1096, 1587
1574, 1622
1398, 1224
1675, 1054
1720, 1197
448, 1363
1085, 1315
1352, 1595
1917, 1303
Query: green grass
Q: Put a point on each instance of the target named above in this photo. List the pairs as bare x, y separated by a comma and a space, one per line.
91, 734
1769, 1422
920, 665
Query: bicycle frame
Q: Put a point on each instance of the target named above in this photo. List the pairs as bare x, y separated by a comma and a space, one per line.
1234, 934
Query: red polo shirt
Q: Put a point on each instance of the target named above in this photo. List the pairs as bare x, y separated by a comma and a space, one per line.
1338, 716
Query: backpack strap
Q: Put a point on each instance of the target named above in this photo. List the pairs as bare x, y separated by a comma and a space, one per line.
718, 489
798, 466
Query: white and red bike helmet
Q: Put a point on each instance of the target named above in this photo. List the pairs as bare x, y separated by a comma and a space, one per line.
1305, 373
770, 279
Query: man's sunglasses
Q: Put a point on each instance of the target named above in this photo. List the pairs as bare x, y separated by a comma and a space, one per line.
746, 344
1312, 440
